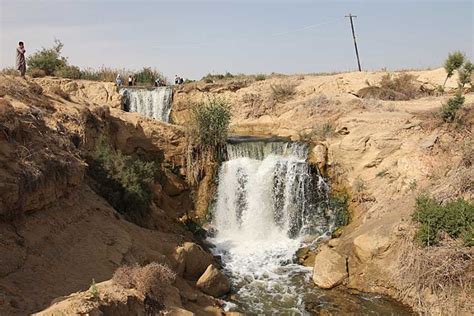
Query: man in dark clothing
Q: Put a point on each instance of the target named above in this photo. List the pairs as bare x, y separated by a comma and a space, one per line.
20, 59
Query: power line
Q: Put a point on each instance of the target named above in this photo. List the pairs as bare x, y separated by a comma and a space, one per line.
350, 16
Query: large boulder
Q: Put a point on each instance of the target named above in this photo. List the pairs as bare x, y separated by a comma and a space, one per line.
329, 268
213, 282
368, 246
192, 260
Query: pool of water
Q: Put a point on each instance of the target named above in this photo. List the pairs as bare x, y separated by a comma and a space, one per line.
268, 282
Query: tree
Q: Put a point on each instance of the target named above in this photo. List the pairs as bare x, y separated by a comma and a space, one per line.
465, 74
452, 63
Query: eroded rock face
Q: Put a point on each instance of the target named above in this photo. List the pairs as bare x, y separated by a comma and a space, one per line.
213, 282
329, 268
367, 247
319, 157
192, 260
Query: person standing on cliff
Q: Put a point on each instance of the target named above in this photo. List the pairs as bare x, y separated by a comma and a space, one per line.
130, 81
20, 59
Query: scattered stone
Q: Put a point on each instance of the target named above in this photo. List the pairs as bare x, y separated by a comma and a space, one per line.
429, 141
213, 282
343, 131
334, 242
329, 268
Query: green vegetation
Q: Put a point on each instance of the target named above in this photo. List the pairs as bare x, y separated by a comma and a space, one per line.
260, 77
124, 181
465, 74
147, 76
283, 92
36, 73
452, 63
210, 78
339, 203
211, 121
70, 72
456, 219
207, 136
449, 110
48, 59
94, 290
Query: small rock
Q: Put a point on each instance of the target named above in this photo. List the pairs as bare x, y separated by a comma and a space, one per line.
429, 141
343, 131
329, 268
213, 282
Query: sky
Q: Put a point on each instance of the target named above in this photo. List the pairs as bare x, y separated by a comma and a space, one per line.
193, 38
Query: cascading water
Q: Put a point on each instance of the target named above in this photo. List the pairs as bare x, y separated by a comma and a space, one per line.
154, 103
269, 201
268, 198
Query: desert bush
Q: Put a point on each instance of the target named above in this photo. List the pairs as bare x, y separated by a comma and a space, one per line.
456, 219
260, 77
283, 92
211, 121
124, 181
151, 280
60, 92
93, 290
10, 71
402, 83
452, 63
449, 110
147, 76
36, 72
70, 72
207, 136
48, 59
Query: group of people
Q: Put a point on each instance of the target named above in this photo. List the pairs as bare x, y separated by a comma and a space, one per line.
178, 80
132, 80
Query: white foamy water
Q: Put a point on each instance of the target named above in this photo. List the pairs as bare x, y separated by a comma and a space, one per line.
266, 203
154, 103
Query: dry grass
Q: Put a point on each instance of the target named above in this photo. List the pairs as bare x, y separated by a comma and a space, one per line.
60, 92
151, 280
435, 280
283, 92
393, 87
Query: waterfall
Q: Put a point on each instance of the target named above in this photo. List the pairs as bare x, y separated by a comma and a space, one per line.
268, 199
153, 102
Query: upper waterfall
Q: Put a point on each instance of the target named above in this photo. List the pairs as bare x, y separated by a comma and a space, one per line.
152, 102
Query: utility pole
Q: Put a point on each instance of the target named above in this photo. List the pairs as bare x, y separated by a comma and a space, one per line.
350, 16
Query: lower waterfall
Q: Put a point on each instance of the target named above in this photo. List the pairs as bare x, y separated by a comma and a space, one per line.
150, 102
268, 199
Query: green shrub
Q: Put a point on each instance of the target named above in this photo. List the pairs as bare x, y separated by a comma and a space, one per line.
36, 72
453, 62
465, 74
283, 92
260, 77
147, 76
211, 121
48, 59
70, 72
339, 203
456, 219
448, 110
124, 181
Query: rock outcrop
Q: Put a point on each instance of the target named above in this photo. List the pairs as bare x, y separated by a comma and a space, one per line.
329, 268
213, 282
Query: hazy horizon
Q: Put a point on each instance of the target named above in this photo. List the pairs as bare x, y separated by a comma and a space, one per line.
193, 38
